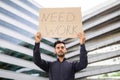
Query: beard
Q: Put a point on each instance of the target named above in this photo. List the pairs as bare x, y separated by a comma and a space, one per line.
61, 55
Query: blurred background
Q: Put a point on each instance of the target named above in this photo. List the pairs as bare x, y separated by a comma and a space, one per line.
19, 23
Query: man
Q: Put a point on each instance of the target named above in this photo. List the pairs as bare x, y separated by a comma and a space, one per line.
61, 69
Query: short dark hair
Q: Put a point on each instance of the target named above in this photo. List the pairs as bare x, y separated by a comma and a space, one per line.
58, 42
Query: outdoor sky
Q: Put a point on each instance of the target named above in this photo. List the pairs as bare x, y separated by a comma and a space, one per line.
84, 4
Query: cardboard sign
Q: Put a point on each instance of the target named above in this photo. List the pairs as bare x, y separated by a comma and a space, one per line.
60, 22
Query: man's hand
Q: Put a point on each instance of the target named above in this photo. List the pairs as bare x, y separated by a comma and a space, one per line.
82, 38
37, 37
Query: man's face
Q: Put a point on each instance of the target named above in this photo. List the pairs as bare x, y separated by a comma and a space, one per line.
60, 50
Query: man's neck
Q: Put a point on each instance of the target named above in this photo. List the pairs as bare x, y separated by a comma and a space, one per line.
61, 59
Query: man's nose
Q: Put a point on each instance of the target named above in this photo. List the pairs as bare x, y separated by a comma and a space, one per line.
60, 49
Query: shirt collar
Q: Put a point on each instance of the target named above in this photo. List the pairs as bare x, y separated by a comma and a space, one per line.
63, 59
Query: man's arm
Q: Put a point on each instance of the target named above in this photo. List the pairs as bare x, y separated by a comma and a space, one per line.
83, 55
36, 54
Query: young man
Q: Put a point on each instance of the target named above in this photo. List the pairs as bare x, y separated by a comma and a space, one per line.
61, 69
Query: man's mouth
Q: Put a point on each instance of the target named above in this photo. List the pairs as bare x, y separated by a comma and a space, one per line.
60, 51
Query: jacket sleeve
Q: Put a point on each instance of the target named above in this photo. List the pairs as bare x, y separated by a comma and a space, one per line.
83, 62
37, 59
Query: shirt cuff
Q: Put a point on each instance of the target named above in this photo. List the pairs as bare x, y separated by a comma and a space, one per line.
83, 45
37, 44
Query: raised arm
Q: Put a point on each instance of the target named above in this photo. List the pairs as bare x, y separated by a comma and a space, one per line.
82, 63
36, 54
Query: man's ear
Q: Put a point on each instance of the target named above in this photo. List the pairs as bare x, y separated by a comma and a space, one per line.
55, 51
65, 50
